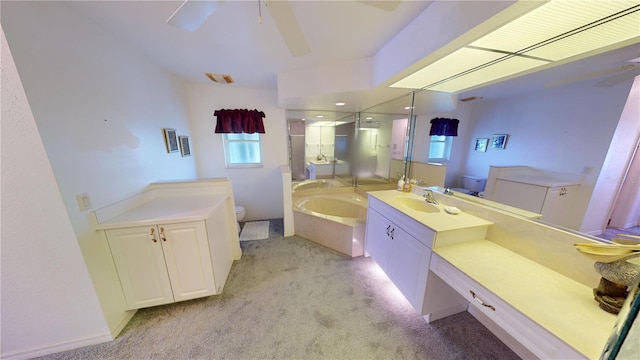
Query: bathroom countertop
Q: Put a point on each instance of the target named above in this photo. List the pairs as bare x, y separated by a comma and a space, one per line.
562, 306
539, 180
165, 210
440, 221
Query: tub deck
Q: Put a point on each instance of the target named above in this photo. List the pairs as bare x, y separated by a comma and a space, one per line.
344, 234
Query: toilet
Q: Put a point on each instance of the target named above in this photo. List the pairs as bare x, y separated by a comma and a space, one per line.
471, 185
239, 215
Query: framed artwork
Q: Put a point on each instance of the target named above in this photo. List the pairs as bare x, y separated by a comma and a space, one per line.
171, 140
481, 144
499, 141
185, 150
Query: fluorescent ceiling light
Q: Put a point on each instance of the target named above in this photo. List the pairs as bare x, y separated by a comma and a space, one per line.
340, 104
328, 123
557, 30
323, 123
498, 70
450, 65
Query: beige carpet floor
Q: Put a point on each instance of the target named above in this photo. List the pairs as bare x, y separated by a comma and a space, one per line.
288, 298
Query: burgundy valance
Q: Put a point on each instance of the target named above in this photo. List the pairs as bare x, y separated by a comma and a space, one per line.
239, 121
444, 126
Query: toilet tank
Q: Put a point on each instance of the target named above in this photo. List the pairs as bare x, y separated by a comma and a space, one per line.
473, 183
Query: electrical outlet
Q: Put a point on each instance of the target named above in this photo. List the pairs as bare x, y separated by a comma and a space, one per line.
83, 201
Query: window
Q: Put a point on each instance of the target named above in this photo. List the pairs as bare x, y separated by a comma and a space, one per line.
242, 150
440, 148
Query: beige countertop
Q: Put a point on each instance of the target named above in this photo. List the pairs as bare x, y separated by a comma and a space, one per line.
438, 221
539, 180
564, 307
165, 210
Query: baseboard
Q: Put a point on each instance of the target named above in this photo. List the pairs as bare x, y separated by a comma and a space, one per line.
57, 347
437, 315
122, 323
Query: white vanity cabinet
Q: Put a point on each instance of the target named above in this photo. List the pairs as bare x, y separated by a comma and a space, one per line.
550, 197
401, 256
161, 264
175, 241
401, 246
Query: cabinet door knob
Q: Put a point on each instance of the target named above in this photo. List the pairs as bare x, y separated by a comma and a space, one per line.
152, 232
162, 236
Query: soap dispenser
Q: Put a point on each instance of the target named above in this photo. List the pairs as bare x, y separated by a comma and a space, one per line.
401, 184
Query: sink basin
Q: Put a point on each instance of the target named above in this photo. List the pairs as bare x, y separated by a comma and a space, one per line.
417, 205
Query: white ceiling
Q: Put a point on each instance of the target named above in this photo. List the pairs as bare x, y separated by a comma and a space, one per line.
231, 41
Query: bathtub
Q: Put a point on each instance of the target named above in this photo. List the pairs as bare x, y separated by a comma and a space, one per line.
335, 219
318, 184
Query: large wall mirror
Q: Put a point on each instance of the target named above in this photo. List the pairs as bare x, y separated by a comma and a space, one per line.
586, 135
320, 144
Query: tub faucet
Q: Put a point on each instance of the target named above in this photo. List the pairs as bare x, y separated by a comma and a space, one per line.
429, 197
448, 191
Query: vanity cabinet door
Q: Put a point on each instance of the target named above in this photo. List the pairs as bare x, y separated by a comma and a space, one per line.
409, 267
162, 264
139, 260
402, 257
557, 205
186, 253
377, 237
529, 197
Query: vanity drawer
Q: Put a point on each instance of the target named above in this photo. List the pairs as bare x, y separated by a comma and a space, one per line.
528, 334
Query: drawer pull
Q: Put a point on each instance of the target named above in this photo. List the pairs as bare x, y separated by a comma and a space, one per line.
481, 302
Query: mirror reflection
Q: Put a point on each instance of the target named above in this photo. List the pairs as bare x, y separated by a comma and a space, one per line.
320, 144
565, 152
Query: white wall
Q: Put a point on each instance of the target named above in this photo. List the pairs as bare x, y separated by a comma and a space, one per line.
610, 179
47, 295
100, 107
562, 129
259, 190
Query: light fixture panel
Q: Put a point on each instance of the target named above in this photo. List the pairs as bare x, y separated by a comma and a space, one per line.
604, 35
555, 31
490, 73
450, 65
550, 20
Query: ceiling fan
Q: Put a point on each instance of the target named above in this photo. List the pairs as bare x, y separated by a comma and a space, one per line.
619, 74
193, 13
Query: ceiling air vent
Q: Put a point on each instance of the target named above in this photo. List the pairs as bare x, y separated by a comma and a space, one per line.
220, 78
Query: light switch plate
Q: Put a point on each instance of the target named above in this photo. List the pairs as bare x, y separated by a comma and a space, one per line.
83, 201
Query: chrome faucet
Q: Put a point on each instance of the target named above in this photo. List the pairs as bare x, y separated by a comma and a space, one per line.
448, 191
429, 197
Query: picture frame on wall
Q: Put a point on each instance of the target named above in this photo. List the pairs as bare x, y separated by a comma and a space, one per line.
481, 144
185, 148
499, 141
171, 140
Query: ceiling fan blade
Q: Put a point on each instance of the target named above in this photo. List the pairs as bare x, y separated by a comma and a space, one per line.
386, 5
288, 27
616, 79
192, 14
